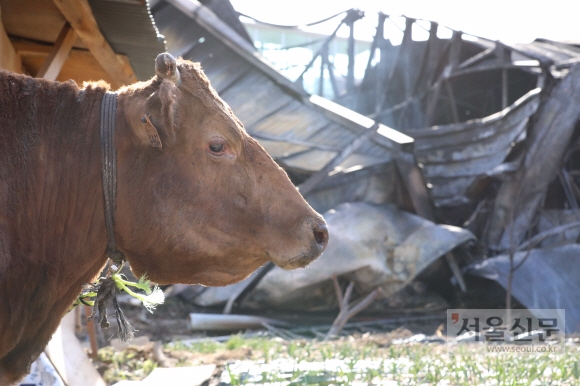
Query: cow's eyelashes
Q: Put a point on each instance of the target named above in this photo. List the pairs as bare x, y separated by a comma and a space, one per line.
217, 146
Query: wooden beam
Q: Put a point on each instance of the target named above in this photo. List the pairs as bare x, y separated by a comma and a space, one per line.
415, 184
9, 59
308, 185
59, 54
80, 16
68, 357
81, 65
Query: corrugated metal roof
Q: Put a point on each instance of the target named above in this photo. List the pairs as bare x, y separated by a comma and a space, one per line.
130, 30
549, 52
300, 134
453, 156
225, 11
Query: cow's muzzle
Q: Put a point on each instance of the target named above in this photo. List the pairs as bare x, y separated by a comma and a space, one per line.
316, 238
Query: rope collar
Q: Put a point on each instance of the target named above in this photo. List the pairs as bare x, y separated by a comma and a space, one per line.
109, 172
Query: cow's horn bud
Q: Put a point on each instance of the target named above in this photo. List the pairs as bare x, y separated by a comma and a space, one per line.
166, 67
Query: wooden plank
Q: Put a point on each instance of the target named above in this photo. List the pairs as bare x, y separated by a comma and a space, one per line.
68, 357
353, 176
293, 121
490, 65
488, 53
81, 18
333, 135
38, 20
358, 123
224, 68
9, 59
308, 185
413, 179
307, 162
278, 149
81, 65
267, 138
59, 54
255, 97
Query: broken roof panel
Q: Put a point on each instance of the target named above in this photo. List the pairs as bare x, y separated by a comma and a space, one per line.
549, 52
225, 11
453, 156
300, 133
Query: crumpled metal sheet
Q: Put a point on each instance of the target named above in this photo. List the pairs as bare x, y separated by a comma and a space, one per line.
453, 156
549, 219
548, 279
373, 245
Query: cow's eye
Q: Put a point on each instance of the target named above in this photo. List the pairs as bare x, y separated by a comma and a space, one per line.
217, 146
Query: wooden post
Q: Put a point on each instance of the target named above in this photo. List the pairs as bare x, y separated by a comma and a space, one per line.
380, 90
92, 333
55, 60
9, 59
504, 88
332, 77
323, 60
378, 38
351, 51
427, 62
453, 61
346, 311
351, 17
452, 102
503, 53
80, 16
398, 63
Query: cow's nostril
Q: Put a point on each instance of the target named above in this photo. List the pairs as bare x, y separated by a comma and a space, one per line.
321, 235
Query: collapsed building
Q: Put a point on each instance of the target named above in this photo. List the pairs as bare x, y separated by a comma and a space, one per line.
452, 156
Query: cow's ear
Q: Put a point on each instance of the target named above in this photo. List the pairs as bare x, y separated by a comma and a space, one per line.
166, 69
167, 97
168, 93
159, 115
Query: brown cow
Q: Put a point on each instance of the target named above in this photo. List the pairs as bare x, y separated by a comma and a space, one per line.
208, 207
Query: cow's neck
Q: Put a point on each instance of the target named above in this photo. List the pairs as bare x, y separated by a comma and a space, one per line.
52, 222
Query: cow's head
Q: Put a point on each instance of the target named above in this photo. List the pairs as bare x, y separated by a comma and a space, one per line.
209, 206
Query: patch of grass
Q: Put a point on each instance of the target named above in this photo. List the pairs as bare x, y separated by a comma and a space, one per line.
267, 361
206, 346
128, 364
